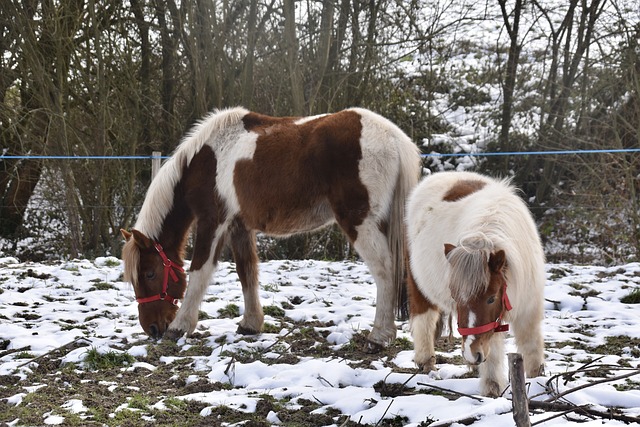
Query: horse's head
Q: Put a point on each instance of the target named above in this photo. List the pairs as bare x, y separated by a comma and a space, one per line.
479, 289
158, 281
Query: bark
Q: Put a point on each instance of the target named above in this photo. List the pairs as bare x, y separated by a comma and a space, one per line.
291, 42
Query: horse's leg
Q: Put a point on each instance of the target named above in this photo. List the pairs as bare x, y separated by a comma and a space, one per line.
425, 318
207, 247
492, 378
372, 246
530, 343
243, 245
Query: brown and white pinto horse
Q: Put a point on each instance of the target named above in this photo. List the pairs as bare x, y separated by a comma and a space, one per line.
239, 172
495, 274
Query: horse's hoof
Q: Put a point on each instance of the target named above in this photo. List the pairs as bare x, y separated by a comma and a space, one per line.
491, 389
246, 331
173, 334
428, 366
373, 347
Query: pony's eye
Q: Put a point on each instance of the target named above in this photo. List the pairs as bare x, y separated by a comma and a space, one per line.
150, 275
491, 300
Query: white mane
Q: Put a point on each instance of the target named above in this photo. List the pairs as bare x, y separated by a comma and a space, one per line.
159, 199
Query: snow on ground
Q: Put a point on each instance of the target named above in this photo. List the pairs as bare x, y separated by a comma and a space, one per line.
45, 306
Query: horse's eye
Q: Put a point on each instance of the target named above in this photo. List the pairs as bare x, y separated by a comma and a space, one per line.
150, 275
491, 300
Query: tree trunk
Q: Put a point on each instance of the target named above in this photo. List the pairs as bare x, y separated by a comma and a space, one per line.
291, 41
509, 84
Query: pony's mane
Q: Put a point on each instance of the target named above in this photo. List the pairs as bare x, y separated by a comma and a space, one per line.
159, 198
469, 272
131, 259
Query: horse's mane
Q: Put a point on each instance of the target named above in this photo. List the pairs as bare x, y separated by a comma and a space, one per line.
159, 198
469, 272
131, 259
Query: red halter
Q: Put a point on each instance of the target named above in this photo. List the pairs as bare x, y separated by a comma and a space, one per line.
169, 266
496, 326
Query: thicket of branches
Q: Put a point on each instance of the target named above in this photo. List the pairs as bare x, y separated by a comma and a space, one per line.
82, 77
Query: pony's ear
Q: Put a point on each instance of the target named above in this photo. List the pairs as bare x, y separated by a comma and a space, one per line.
497, 261
125, 234
141, 240
448, 247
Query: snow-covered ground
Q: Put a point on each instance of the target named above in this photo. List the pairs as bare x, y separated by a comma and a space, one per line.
45, 306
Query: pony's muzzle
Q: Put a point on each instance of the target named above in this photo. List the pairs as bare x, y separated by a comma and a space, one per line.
155, 332
474, 359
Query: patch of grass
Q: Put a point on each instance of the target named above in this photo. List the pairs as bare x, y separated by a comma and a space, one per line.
102, 286
202, 315
231, 311
270, 328
271, 287
27, 316
35, 275
631, 298
557, 273
273, 311
24, 355
403, 343
111, 359
628, 385
617, 345
112, 262
139, 401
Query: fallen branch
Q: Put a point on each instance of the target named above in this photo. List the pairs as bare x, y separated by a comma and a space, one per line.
566, 408
591, 384
453, 392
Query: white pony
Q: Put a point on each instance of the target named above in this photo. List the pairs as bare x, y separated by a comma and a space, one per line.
494, 274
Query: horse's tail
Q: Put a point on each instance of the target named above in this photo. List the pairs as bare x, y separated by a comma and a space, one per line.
408, 176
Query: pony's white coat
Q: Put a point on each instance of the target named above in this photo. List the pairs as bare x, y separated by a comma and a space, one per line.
494, 211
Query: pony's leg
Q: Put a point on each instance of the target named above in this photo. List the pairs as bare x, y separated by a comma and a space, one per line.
207, 249
243, 245
530, 343
425, 326
492, 377
423, 330
372, 246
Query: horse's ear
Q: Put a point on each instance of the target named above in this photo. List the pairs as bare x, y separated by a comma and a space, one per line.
141, 240
497, 261
125, 234
448, 247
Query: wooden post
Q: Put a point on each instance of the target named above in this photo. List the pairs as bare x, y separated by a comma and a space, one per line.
518, 391
156, 162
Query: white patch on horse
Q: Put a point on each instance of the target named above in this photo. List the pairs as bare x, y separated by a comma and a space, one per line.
229, 149
468, 341
210, 129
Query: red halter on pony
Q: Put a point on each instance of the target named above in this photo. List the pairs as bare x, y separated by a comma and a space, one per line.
169, 266
496, 326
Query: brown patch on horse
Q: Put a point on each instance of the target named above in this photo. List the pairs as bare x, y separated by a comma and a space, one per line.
462, 189
418, 303
302, 175
196, 198
261, 124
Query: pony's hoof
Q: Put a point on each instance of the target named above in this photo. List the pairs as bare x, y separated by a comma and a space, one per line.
491, 389
373, 347
246, 331
173, 334
428, 366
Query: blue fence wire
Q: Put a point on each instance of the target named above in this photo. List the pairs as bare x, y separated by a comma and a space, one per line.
460, 154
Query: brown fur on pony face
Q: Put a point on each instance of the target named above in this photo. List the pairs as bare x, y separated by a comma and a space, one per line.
144, 269
481, 307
